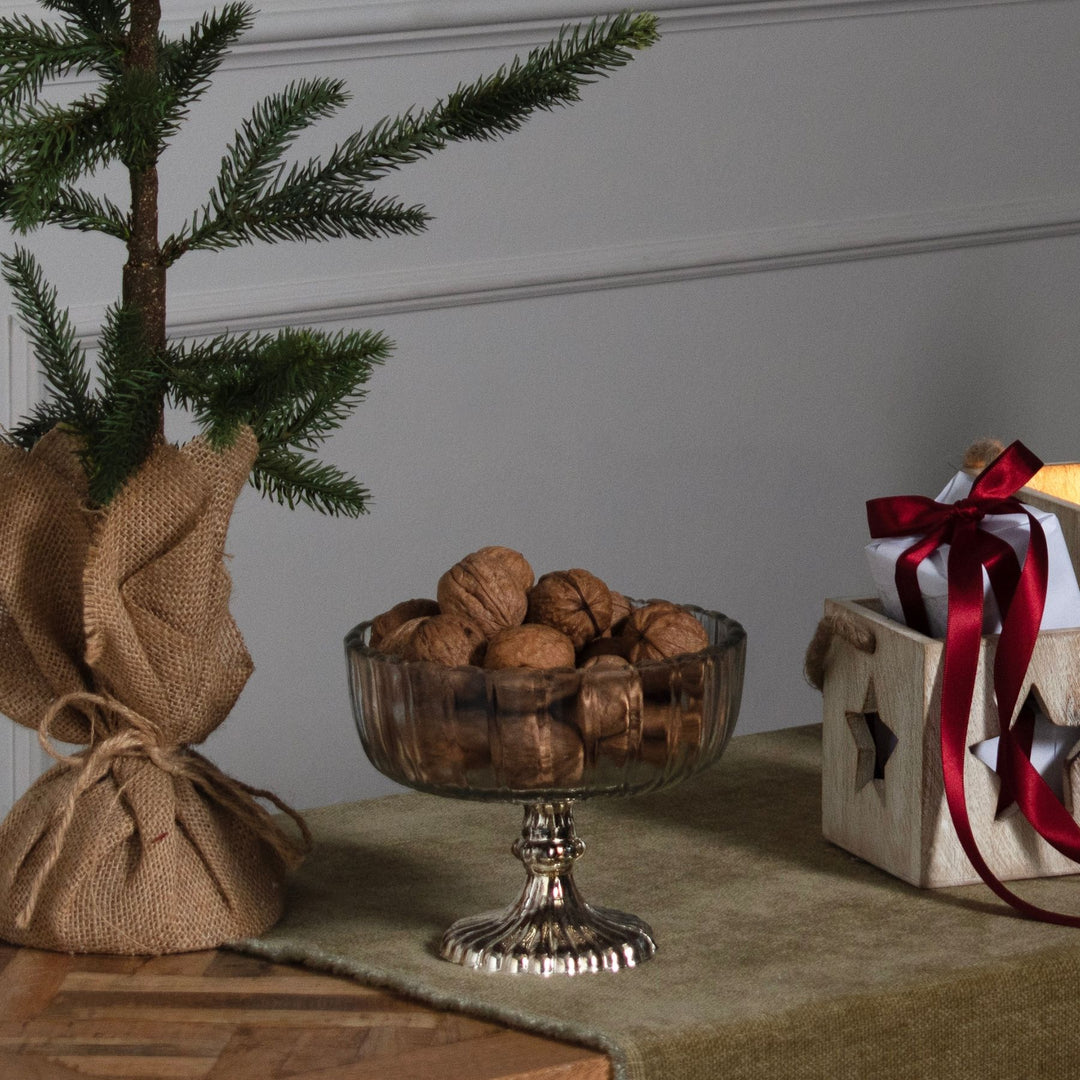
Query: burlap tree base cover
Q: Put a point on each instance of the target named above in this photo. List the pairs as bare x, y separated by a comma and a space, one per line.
115, 634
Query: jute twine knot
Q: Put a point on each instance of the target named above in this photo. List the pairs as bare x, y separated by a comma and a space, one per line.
142, 738
845, 627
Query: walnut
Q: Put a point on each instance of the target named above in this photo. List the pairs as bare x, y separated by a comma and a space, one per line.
609, 701
604, 646
446, 744
441, 639
488, 587
661, 629
513, 561
535, 751
666, 731
533, 645
618, 749
574, 601
605, 661
384, 624
671, 715
395, 641
439, 764
620, 609
446, 752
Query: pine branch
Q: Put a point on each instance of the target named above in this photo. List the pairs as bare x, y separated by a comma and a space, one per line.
293, 388
141, 118
297, 213
132, 387
45, 147
291, 479
495, 105
338, 367
298, 386
49, 147
229, 381
33, 53
186, 65
253, 161
96, 16
52, 338
326, 200
45, 416
81, 211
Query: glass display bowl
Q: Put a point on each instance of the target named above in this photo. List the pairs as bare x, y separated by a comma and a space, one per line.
547, 739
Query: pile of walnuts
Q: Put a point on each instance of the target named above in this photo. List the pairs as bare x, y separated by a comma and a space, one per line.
540, 733
490, 611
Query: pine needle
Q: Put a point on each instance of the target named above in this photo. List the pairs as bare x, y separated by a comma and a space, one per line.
293, 388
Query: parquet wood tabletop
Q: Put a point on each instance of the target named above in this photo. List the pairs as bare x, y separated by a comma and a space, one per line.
223, 1016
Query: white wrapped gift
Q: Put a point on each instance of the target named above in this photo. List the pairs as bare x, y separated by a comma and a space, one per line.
1062, 608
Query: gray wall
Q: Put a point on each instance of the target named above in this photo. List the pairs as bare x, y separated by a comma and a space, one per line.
794, 257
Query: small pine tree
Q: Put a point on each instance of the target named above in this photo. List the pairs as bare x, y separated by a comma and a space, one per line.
294, 387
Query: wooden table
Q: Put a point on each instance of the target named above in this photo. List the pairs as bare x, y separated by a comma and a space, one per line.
222, 1016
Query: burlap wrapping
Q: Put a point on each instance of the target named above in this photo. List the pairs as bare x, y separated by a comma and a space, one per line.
115, 634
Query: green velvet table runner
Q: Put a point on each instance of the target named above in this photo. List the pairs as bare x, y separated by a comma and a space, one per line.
779, 955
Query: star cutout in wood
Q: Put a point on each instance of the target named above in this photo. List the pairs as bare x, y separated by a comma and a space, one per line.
1051, 748
874, 741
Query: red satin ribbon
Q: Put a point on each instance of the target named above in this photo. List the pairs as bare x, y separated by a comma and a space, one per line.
1021, 594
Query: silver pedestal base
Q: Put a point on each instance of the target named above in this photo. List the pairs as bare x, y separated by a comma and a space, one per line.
550, 930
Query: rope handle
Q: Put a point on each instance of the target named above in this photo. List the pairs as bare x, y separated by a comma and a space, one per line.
846, 627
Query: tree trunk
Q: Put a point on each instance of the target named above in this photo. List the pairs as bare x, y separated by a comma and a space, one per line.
144, 271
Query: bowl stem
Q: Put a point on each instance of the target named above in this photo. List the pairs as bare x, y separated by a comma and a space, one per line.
550, 930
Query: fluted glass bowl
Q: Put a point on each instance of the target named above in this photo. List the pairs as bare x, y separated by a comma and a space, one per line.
548, 739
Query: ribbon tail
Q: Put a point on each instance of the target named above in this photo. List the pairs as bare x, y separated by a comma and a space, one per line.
1037, 801
1040, 805
962, 645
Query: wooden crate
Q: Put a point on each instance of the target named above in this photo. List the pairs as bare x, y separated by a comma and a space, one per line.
899, 820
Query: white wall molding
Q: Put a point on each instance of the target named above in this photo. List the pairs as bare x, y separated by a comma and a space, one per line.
611, 267
20, 755
331, 28
288, 31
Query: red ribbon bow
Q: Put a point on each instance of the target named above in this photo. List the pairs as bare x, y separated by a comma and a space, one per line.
1021, 594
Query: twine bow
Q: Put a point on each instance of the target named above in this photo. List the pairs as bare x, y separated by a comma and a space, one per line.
142, 738
1021, 596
